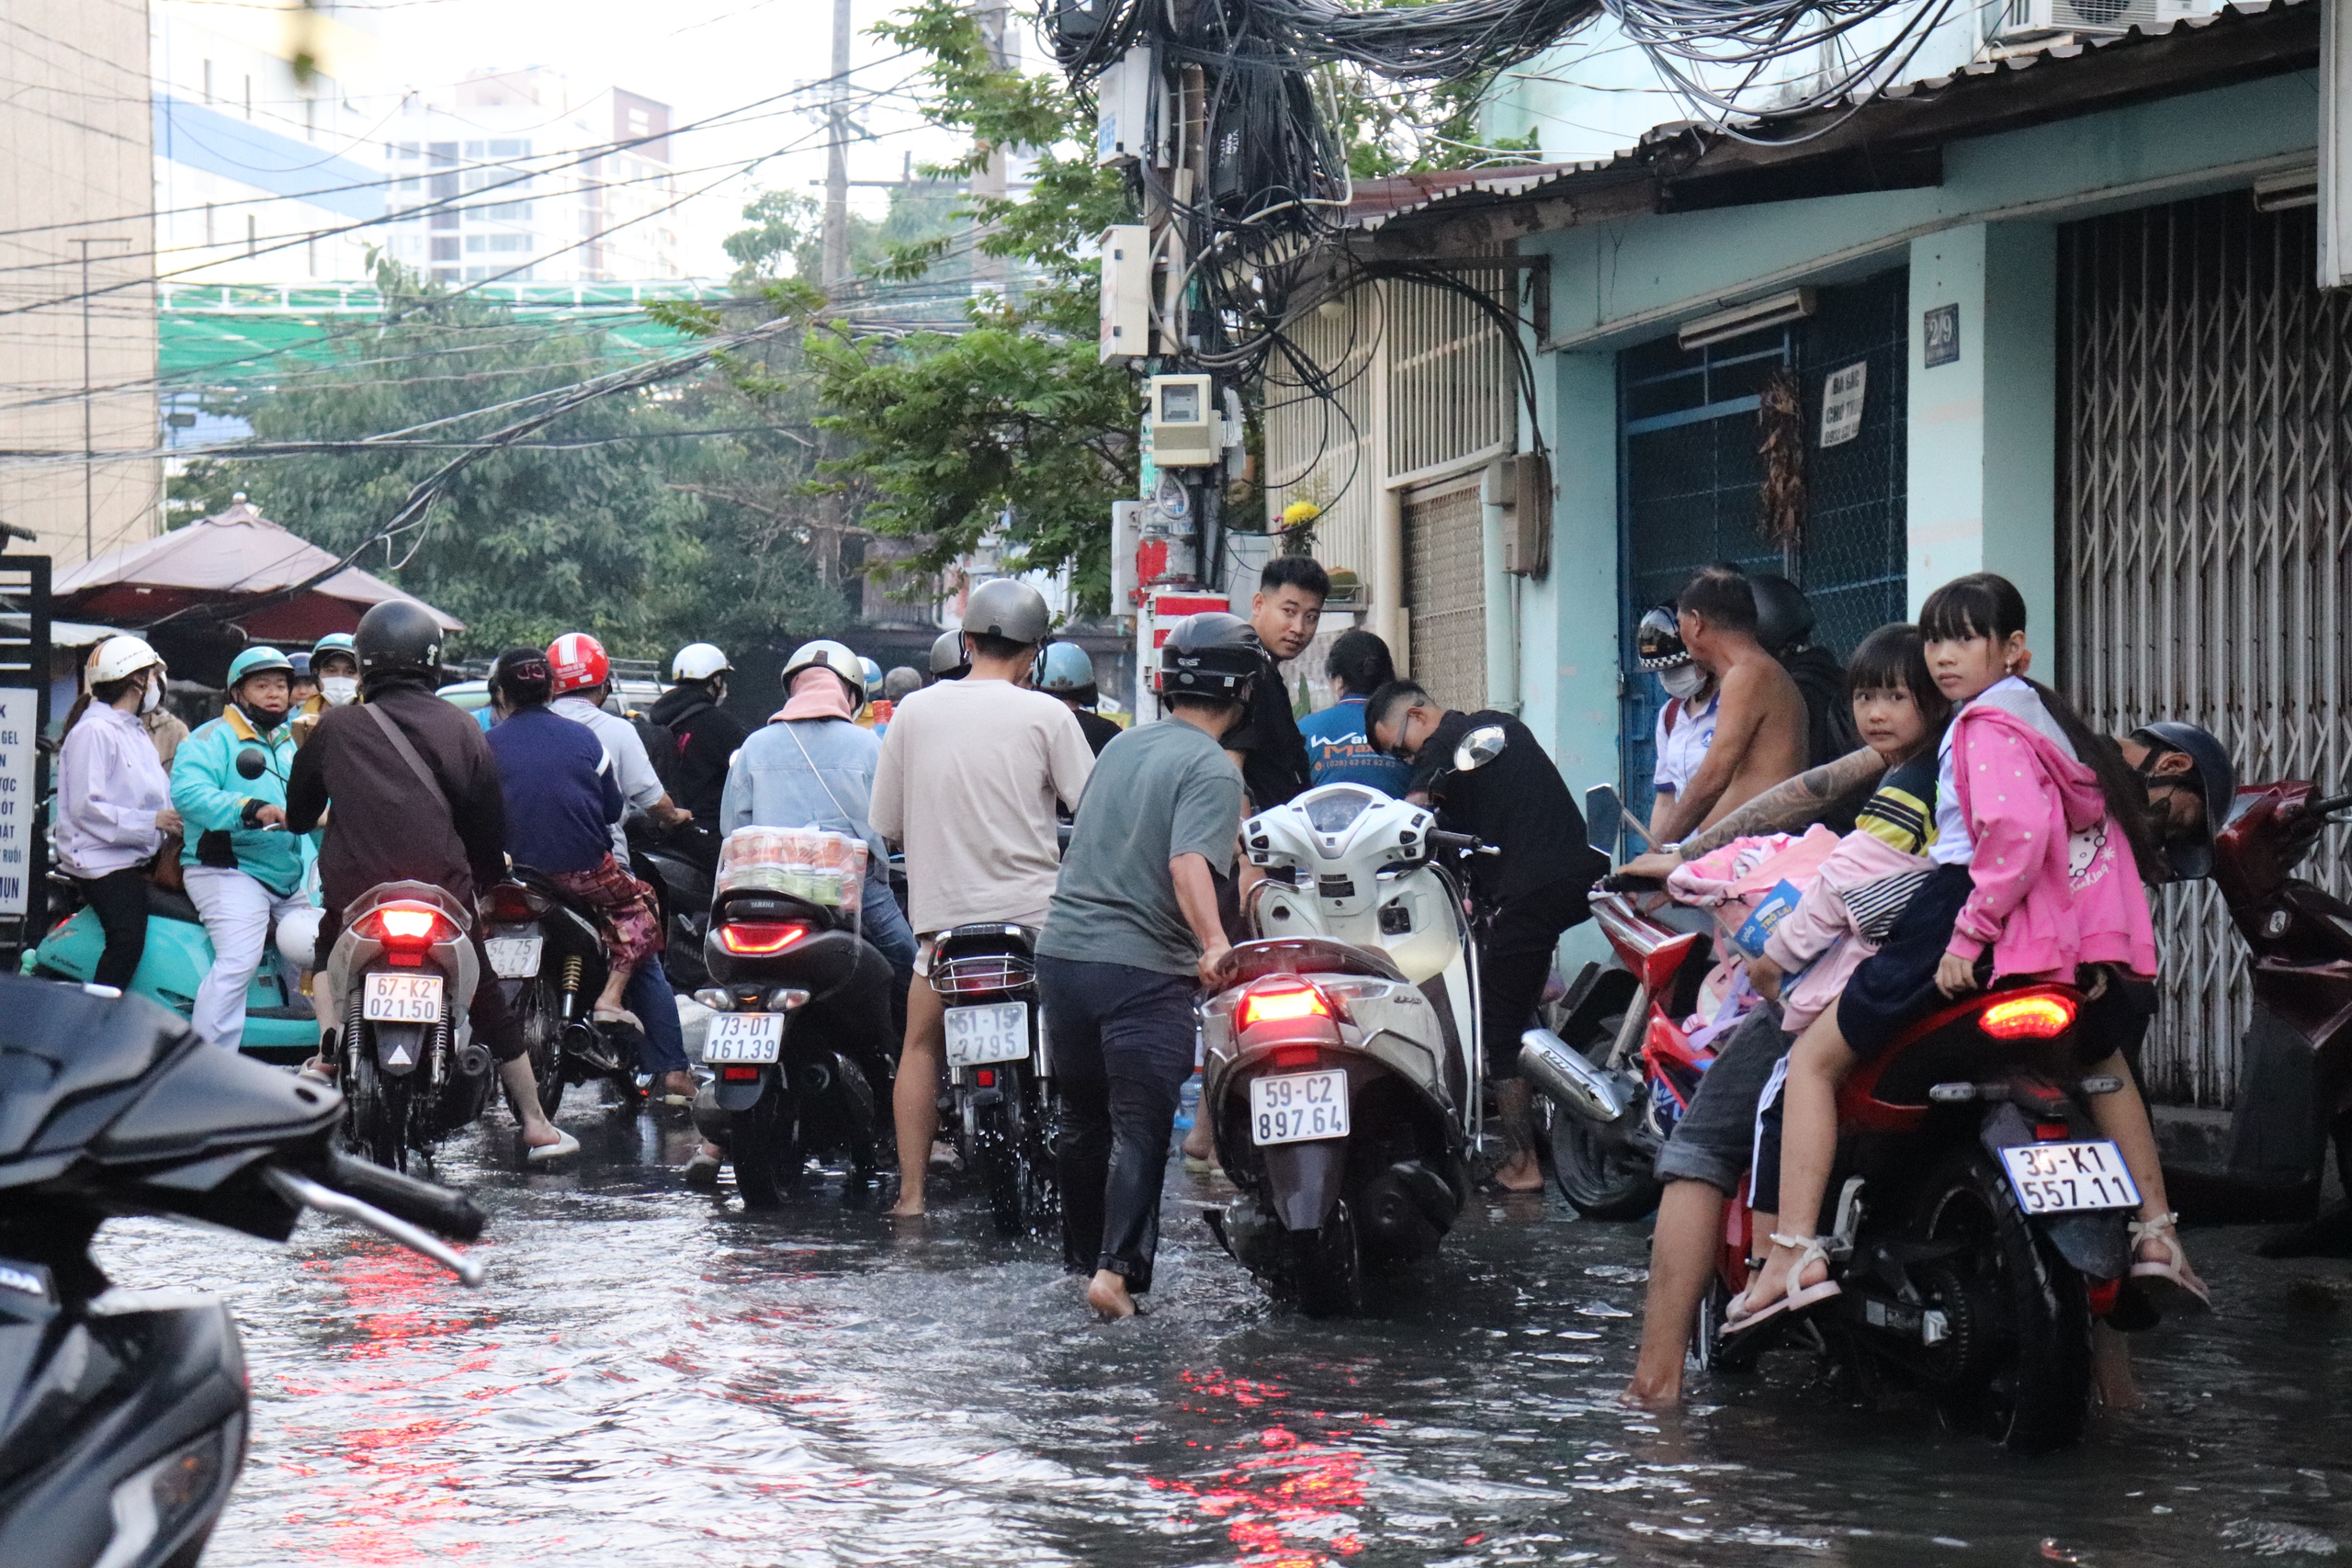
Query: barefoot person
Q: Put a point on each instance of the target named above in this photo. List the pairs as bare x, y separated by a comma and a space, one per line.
1133, 933
1536, 884
1759, 737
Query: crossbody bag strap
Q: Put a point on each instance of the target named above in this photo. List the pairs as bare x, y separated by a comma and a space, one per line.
400, 741
821, 782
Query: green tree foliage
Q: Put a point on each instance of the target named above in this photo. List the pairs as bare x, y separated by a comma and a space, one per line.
614, 520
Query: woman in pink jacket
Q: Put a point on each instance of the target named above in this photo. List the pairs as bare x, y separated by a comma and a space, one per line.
2036, 876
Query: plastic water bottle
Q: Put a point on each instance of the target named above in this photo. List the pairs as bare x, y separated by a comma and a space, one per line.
1188, 1103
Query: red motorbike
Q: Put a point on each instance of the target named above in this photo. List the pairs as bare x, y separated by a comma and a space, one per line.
2294, 1088
1980, 1223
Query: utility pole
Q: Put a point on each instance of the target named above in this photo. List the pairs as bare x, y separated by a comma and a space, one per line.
990, 181
836, 239
89, 446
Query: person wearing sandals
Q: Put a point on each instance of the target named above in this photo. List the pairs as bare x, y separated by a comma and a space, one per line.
2041, 840
561, 802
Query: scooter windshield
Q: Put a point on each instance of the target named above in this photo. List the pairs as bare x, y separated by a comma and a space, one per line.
1333, 812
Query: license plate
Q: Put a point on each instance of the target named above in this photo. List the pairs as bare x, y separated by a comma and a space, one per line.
998, 1033
514, 957
401, 999
1298, 1107
743, 1037
2061, 1179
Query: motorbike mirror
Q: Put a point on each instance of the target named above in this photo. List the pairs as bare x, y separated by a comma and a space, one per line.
1601, 827
1479, 748
251, 763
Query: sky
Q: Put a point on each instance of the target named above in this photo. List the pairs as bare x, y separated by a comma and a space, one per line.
702, 57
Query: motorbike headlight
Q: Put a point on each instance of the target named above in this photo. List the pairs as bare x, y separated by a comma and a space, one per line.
164, 1498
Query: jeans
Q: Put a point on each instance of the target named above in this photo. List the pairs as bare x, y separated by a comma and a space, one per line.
1716, 1138
1121, 1044
237, 911
649, 996
119, 900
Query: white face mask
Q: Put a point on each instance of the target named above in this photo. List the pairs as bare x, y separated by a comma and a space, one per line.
1683, 681
340, 691
152, 697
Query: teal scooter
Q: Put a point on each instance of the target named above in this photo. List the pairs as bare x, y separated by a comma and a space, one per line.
279, 1027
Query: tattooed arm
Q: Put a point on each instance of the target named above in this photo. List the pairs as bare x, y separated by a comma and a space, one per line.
1783, 808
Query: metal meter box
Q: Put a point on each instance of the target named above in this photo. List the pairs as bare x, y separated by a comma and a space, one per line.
1126, 293
1185, 431
1127, 97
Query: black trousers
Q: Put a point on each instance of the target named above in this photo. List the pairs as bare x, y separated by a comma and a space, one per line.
119, 898
1517, 959
1122, 1048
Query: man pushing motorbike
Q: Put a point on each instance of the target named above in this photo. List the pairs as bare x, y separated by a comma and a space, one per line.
416, 796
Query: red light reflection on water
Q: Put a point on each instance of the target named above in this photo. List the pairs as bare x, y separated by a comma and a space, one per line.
379, 1468
1290, 1499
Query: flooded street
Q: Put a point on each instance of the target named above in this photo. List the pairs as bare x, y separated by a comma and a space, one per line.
654, 1377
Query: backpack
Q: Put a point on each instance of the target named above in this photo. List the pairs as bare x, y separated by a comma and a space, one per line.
1829, 728
663, 748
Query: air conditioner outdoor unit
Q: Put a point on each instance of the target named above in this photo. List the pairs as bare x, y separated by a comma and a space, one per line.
2024, 20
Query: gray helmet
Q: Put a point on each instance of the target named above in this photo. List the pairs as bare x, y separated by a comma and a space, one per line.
1065, 671
2214, 777
397, 635
948, 660
1783, 615
1009, 608
1210, 655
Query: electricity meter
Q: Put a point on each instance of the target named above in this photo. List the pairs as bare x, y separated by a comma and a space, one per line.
1184, 422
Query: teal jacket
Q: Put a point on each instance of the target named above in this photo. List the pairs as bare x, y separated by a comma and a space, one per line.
211, 796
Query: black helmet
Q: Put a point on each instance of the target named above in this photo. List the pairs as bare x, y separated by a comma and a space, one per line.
1009, 608
1657, 641
2211, 773
1210, 655
397, 635
947, 658
1783, 615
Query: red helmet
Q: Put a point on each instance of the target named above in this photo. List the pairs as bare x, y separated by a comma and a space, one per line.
578, 662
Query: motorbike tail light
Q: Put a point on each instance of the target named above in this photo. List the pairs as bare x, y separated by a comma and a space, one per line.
2102, 1294
985, 1077
1282, 996
758, 939
2052, 1132
408, 928
1295, 1056
511, 902
2042, 1017
739, 1075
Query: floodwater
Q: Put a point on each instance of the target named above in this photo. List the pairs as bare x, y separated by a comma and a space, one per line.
652, 1376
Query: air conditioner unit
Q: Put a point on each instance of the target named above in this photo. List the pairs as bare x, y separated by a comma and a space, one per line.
2027, 20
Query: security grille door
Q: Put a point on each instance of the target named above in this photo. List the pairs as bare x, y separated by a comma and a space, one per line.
1445, 585
2204, 436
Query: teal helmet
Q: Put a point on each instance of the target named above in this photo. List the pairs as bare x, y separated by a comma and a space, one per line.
334, 642
1065, 671
258, 662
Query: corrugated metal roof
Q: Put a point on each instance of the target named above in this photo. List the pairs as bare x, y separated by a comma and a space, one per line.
1685, 148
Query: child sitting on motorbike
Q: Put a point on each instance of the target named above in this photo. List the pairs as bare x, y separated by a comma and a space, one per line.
2033, 879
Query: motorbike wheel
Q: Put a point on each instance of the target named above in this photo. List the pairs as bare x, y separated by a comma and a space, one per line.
379, 1109
536, 1012
1604, 1180
1326, 1267
999, 1162
2028, 1383
765, 1148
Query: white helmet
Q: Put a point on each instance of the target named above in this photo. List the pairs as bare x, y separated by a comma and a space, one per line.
699, 661
827, 654
118, 658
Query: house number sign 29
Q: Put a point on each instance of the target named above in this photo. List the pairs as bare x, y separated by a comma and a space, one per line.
1939, 335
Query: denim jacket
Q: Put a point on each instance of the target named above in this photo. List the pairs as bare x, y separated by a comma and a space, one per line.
812, 772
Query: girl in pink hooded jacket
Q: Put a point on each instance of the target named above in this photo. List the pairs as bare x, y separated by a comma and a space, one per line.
2036, 878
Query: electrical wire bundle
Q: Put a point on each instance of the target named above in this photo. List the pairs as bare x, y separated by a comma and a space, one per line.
1696, 44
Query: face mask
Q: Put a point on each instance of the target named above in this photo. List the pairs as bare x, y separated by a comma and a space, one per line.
1683, 681
151, 698
340, 691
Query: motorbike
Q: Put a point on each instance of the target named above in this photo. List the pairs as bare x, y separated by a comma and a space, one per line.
1981, 1223
401, 976
124, 1418
800, 1050
547, 953
999, 1073
2294, 1088
1343, 1062
678, 869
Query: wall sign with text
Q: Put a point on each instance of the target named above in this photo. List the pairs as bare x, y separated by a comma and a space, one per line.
20, 729
1939, 335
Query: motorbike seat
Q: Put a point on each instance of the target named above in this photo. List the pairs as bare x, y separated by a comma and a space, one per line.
1304, 956
165, 903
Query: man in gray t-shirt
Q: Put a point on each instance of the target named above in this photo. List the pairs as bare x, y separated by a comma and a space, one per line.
1131, 935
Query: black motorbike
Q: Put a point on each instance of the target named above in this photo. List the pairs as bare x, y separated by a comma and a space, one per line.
997, 1070
122, 1427
548, 952
800, 1050
679, 866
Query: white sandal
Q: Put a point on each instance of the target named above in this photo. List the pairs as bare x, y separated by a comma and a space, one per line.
2170, 1279
1740, 1318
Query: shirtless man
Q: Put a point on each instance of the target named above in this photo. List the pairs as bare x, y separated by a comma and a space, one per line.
1760, 724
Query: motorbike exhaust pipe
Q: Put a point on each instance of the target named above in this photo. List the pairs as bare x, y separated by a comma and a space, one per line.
1546, 1061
